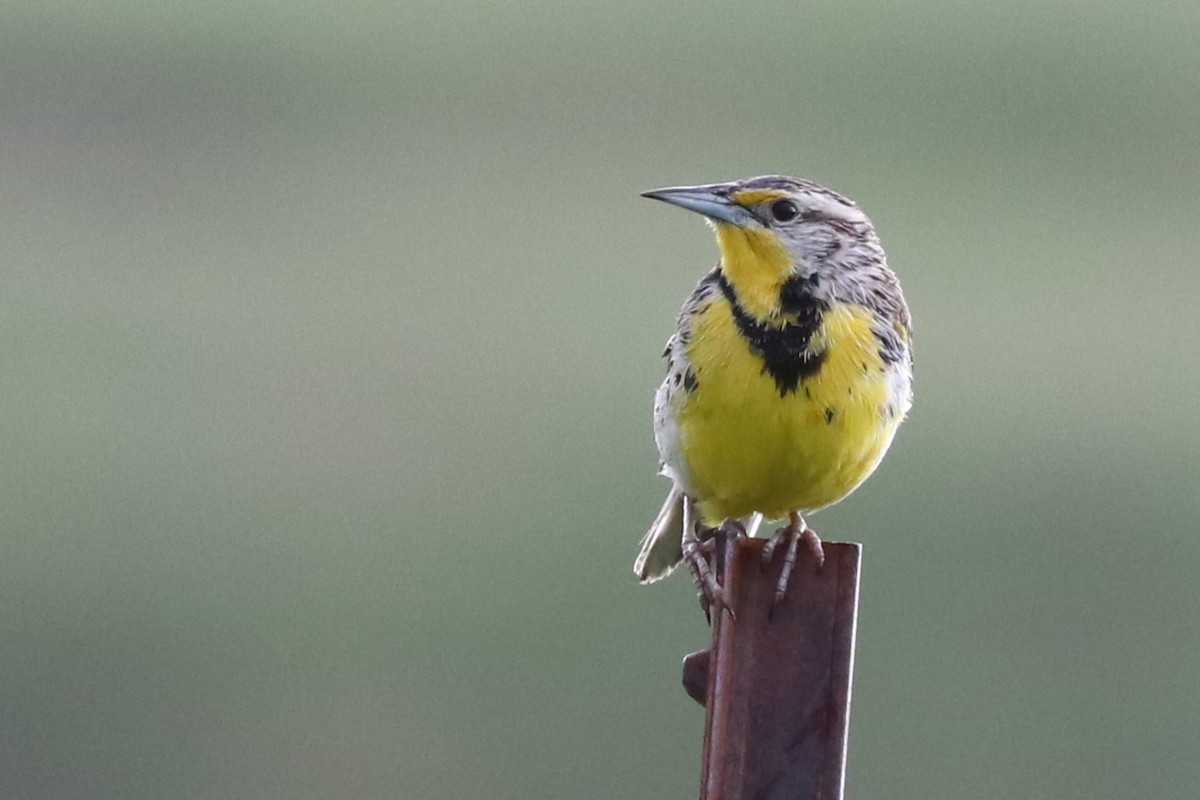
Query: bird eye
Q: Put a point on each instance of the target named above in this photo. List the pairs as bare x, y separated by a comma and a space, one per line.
784, 210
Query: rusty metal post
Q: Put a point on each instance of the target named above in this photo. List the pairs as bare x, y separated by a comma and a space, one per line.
777, 682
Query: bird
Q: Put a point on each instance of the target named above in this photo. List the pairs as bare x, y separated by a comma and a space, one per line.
788, 373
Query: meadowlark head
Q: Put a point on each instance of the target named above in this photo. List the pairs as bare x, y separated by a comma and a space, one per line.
775, 229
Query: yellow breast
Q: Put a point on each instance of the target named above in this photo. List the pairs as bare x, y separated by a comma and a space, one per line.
748, 448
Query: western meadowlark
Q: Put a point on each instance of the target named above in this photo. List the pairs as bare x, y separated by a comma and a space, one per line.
789, 371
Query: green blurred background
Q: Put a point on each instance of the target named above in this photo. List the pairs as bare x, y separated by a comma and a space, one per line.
330, 335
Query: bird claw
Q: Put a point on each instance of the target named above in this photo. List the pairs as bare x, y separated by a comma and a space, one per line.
699, 551
793, 533
698, 555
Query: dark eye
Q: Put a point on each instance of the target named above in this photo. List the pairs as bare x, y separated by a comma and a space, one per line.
784, 210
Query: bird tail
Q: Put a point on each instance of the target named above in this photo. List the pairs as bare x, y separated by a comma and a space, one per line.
662, 546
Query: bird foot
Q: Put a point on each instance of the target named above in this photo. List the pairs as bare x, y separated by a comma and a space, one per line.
793, 533
698, 555
699, 552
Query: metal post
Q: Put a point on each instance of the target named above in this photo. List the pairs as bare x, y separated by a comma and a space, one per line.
778, 686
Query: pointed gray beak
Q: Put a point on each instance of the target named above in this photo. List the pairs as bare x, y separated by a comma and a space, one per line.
712, 200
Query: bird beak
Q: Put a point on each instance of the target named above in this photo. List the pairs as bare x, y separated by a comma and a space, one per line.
713, 201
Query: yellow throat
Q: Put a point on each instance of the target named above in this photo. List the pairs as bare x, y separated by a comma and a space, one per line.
756, 264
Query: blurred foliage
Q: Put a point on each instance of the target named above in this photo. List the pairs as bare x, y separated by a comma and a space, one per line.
330, 337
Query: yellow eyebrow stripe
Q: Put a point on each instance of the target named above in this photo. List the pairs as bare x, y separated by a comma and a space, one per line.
753, 197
